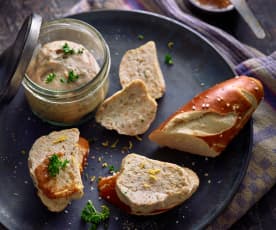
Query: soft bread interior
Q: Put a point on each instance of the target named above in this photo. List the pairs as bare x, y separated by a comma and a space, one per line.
149, 186
142, 63
200, 123
129, 111
183, 142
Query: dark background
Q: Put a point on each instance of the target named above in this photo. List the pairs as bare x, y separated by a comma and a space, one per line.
12, 13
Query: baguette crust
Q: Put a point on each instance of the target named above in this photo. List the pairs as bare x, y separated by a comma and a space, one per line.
207, 123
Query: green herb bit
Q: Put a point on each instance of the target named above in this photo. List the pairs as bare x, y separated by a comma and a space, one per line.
55, 164
50, 77
168, 59
67, 49
72, 77
62, 80
111, 168
80, 51
170, 44
90, 215
141, 37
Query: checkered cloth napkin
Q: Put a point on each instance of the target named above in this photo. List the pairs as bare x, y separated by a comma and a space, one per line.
261, 173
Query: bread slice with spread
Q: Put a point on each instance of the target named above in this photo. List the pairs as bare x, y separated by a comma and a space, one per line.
142, 63
57, 189
147, 187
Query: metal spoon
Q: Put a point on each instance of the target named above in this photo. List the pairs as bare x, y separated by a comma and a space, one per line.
243, 9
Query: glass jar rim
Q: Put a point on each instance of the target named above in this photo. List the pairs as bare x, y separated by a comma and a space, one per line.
104, 68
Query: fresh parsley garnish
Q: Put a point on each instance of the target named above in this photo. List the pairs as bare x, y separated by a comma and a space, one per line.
168, 59
55, 164
72, 76
67, 49
50, 77
111, 168
90, 215
140, 37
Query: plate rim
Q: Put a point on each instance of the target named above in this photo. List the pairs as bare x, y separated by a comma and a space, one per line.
242, 173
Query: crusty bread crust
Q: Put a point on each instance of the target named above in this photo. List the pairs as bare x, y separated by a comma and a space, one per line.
227, 105
142, 63
129, 111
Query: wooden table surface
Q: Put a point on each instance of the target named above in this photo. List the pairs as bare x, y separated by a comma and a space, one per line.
12, 13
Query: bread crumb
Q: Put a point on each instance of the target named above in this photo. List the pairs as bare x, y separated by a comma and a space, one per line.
138, 138
130, 145
105, 143
114, 145
92, 178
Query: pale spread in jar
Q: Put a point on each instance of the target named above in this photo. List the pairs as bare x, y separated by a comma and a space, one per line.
62, 65
64, 82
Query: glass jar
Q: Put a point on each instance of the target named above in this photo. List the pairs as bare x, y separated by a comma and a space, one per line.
73, 106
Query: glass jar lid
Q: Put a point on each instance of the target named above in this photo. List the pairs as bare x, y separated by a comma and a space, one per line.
15, 59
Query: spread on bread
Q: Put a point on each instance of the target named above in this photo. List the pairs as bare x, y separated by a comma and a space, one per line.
129, 111
142, 63
55, 163
147, 187
207, 123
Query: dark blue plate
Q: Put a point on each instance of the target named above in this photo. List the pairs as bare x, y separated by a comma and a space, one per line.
197, 66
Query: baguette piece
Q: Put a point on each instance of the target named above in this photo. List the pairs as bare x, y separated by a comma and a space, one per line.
142, 63
56, 192
148, 187
207, 123
129, 111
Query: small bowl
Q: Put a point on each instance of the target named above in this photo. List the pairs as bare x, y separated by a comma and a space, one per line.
210, 8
